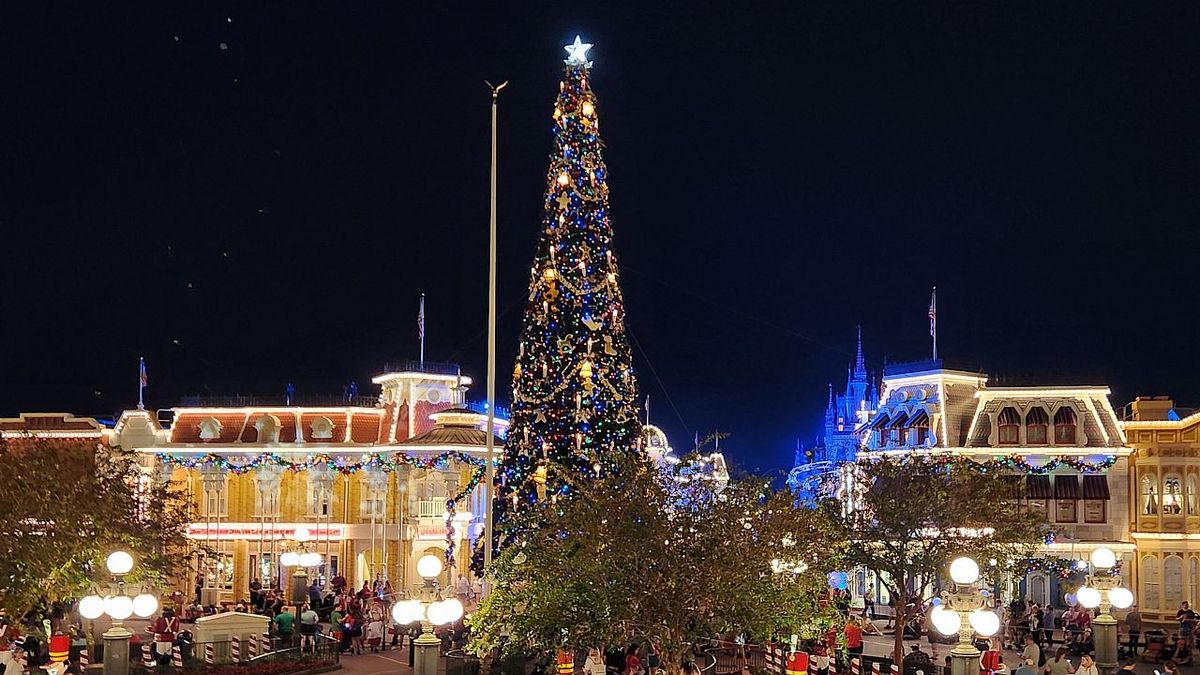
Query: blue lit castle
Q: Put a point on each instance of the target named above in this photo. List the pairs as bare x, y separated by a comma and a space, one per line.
839, 444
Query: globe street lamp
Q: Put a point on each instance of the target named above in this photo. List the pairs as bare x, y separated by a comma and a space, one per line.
118, 605
1103, 589
431, 610
962, 611
302, 559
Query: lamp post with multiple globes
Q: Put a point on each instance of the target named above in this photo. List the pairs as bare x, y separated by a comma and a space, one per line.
1103, 589
302, 559
962, 611
431, 610
119, 606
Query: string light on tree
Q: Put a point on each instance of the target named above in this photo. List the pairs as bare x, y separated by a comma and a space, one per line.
574, 392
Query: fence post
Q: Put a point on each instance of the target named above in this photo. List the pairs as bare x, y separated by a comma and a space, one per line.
176, 657
84, 661
856, 666
210, 654
265, 640
148, 655
235, 649
875, 668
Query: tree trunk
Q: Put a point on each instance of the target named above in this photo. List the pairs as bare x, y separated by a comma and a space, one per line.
672, 661
901, 596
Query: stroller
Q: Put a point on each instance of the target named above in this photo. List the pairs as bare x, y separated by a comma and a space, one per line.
1156, 643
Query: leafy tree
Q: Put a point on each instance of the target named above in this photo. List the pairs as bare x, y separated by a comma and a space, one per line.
912, 514
66, 506
657, 555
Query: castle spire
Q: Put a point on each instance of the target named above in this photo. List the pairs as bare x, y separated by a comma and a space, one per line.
860, 364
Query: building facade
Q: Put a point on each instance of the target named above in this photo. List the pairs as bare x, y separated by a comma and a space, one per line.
370, 484
1065, 443
1164, 512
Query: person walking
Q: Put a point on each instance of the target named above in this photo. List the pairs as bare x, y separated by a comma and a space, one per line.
1031, 652
1133, 623
308, 629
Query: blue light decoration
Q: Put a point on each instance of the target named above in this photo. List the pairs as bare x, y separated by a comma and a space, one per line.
838, 581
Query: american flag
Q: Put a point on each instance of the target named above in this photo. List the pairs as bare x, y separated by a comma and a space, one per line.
143, 378
933, 313
421, 319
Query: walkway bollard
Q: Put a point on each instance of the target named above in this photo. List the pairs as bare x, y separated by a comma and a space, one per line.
235, 649
176, 657
148, 655
84, 660
875, 668
210, 654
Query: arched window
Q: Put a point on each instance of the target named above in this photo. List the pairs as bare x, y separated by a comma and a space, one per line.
210, 429
1149, 494
1172, 582
899, 430
1037, 423
1009, 427
1150, 583
1064, 426
919, 434
879, 430
322, 428
1191, 495
1172, 496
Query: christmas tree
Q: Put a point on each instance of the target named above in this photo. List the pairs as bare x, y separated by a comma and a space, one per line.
573, 405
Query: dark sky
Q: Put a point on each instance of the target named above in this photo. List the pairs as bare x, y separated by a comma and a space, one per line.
255, 193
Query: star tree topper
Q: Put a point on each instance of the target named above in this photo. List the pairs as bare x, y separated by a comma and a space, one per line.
577, 53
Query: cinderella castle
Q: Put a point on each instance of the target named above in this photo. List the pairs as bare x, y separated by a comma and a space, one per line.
845, 412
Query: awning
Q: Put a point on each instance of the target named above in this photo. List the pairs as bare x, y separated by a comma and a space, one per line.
1066, 487
1095, 486
1038, 487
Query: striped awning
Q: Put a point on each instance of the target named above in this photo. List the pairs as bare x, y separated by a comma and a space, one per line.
1066, 487
1038, 487
1095, 486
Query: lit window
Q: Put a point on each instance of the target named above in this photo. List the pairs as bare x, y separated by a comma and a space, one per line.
268, 429
1037, 423
322, 427
920, 430
216, 502
318, 501
1009, 427
1149, 494
1172, 496
1064, 426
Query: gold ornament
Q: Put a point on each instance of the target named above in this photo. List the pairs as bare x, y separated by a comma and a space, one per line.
588, 108
564, 179
565, 346
539, 476
585, 369
517, 371
592, 324
564, 201
551, 292
548, 274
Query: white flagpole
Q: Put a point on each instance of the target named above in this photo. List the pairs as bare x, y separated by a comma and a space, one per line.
491, 356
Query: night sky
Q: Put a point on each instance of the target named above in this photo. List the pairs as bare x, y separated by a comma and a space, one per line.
249, 194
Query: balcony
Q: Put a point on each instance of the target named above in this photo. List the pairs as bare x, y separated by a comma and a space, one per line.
431, 508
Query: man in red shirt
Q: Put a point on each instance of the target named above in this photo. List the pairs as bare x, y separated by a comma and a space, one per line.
854, 637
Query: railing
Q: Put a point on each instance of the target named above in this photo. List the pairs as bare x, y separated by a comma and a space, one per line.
430, 367
481, 408
236, 401
194, 656
431, 508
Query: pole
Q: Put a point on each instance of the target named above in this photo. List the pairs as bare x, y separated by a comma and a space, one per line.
933, 321
491, 355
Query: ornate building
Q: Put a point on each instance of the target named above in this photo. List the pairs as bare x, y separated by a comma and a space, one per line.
1066, 443
844, 414
1165, 511
370, 484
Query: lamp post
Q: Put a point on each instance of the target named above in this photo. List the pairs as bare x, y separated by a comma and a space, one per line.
431, 610
1104, 590
120, 606
962, 611
302, 560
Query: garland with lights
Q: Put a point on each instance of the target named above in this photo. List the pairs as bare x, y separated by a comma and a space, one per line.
374, 461
574, 392
1063, 568
1009, 463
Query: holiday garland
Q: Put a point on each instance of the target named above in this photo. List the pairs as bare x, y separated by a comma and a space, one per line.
1007, 463
374, 461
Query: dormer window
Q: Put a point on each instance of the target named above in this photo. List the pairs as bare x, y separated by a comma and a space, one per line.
880, 430
210, 429
899, 430
919, 433
322, 428
1009, 426
268, 429
1064, 426
1037, 423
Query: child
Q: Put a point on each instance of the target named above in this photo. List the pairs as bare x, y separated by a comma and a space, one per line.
375, 634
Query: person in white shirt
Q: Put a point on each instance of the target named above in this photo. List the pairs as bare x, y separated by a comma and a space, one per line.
594, 665
1087, 666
